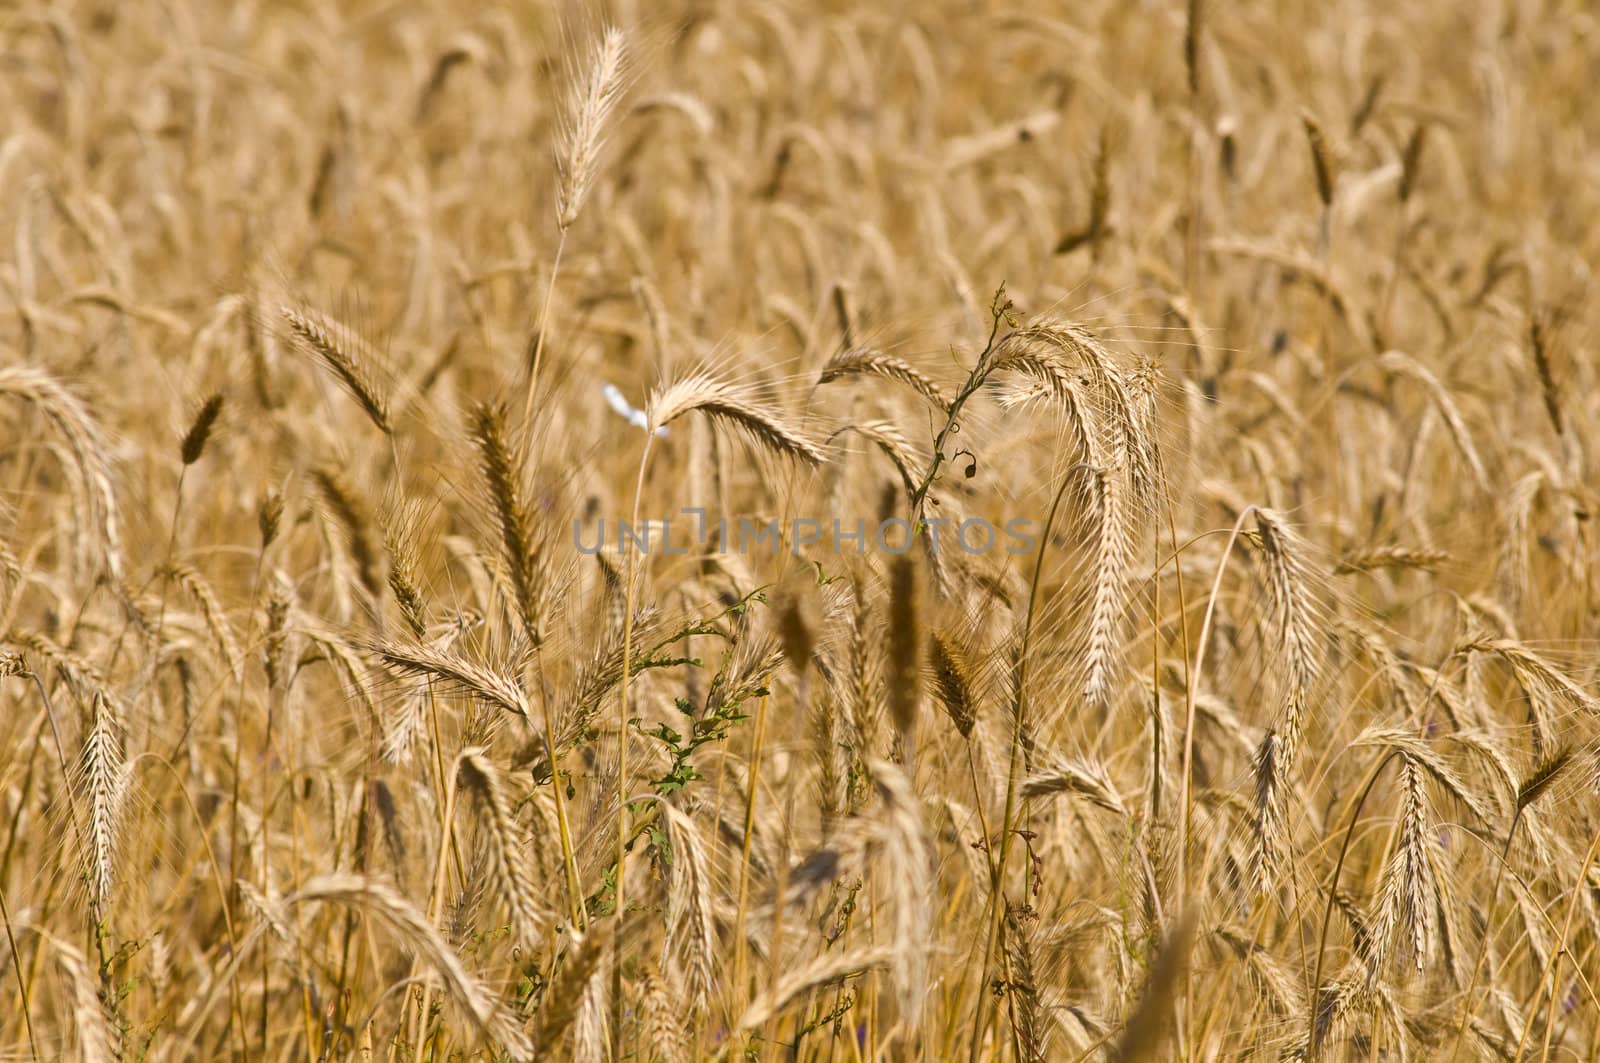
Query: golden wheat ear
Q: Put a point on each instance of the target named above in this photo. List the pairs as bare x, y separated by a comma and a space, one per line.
868, 362
595, 93
736, 405
344, 353
85, 443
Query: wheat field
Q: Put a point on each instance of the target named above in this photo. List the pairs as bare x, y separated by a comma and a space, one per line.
799, 531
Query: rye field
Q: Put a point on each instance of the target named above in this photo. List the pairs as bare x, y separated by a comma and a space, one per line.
799, 531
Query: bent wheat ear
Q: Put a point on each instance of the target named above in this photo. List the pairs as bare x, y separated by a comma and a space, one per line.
344, 354
93, 1025
733, 404
85, 443
418, 935
901, 839
456, 672
1088, 781
1402, 364
876, 363
828, 969
691, 929
1543, 776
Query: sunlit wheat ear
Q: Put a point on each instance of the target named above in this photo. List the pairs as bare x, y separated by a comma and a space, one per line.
1111, 409
343, 352
1405, 905
103, 782
422, 940
400, 542
1428, 759
734, 405
511, 874
867, 362
1269, 779
405, 724
589, 1028
594, 95
1538, 676
888, 438
1113, 545
516, 535
691, 931
84, 442
458, 674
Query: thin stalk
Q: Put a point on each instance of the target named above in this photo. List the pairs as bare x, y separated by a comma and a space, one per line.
538, 343
568, 859
1555, 958
752, 788
1189, 702
996, 911
22, 981
33, 744
975, 379
622, 753
446, 822
1488, 932
1333, 886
